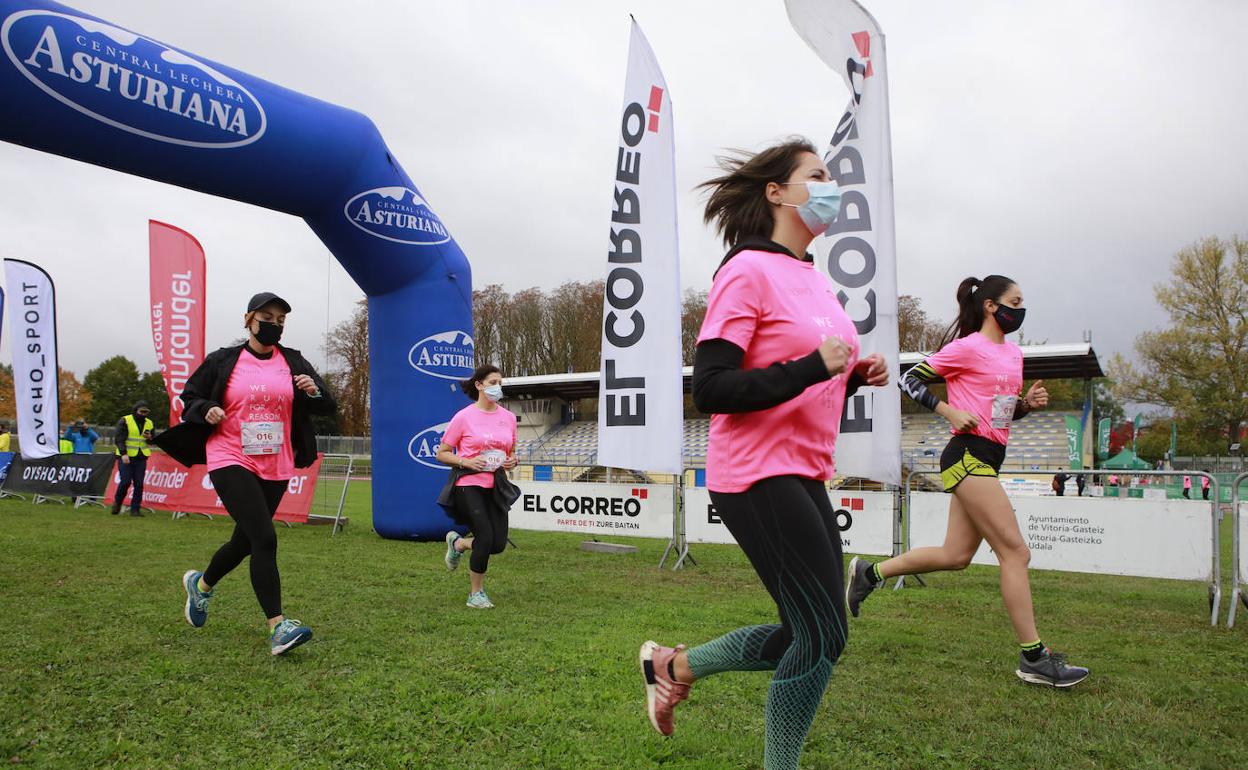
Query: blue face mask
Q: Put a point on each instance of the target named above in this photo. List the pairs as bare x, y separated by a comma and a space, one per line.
494, 393
820, 211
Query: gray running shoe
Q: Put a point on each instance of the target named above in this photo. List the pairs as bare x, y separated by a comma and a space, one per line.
1051, 670
452, 554
859, 586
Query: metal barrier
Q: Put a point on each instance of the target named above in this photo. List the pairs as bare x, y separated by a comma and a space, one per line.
1214, 588
1237, 553
329, 499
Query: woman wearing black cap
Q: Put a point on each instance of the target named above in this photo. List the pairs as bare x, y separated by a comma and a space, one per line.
248, 415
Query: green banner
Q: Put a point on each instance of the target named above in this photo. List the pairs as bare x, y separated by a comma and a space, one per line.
1074, 442
1102, 439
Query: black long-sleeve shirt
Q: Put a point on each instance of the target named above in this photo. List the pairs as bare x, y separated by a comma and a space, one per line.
721, 386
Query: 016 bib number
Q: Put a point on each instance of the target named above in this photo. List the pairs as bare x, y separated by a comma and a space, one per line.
263, 438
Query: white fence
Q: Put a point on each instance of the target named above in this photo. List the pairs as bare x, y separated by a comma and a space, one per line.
1172, 539
865, 520
1239, 551
1151, 538
1142, 538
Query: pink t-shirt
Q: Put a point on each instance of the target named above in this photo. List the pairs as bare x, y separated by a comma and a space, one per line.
474, 432
776, 309
256, 430
983, 378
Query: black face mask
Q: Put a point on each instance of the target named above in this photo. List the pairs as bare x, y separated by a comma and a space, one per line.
269, 333
1010, 319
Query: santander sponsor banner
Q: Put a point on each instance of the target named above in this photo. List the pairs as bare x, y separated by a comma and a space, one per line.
864, 520
32, 320
595, 509
178, 297
859, 249
171, 486
641, 405
1142, 538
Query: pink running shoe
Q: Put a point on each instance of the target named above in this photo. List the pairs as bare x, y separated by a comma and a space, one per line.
662, 691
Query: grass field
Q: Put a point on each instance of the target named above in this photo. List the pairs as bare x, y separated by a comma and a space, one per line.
98, 668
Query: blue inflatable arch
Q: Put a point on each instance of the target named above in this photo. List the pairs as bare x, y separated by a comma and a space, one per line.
78, 86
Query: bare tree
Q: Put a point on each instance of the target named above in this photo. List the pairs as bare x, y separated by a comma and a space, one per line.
917, 331
692, 313
489, 306
347, 347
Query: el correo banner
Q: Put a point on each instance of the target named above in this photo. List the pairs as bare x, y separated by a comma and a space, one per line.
864, 520
177, 310
641, 403
595, 509
859, 249
1142, 538
32, 320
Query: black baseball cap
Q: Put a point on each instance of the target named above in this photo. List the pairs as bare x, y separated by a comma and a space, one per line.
264, 298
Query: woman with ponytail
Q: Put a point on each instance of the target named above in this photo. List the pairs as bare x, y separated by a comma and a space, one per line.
480, 446
984, 375
776, 358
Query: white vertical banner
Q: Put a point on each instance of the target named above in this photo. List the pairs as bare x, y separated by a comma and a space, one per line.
32, 319
859, 249
641, 408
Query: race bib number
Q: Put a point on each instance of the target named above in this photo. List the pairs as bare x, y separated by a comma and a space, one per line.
493, 459
263, 438
1003, 410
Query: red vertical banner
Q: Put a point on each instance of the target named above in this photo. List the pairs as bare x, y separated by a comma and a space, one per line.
177, 311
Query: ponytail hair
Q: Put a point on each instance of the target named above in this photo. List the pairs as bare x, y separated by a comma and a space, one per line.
738, 204
469, 386
971, 295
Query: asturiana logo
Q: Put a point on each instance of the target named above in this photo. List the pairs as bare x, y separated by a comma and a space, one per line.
131, 82
449, 355
423, 448
396, 214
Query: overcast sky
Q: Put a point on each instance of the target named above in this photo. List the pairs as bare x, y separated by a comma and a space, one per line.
1074, 146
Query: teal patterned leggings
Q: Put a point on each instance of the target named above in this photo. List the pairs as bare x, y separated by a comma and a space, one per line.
787, 528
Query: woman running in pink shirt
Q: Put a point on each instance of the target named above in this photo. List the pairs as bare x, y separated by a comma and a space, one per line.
775, 360
984, 375
480, 445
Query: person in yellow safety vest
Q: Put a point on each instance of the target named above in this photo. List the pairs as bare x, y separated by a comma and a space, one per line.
6, 438
133, 433
65, 446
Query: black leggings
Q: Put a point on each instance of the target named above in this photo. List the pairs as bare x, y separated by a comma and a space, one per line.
488, 523
251, 501
787, 528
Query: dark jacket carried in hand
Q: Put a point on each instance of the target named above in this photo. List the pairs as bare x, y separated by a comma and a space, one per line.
505, 494
205, 389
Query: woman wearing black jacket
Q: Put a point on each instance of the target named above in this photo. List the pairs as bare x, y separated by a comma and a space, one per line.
247, 416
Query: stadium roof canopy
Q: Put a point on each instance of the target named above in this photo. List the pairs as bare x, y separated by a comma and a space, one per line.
1048, 362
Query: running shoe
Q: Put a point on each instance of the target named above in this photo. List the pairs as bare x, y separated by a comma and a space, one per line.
1051, 669
452, 556
860, 584
479, 601
662, 691
288, 635
196, 611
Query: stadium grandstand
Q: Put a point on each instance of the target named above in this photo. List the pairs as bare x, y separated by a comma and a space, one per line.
557, 442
